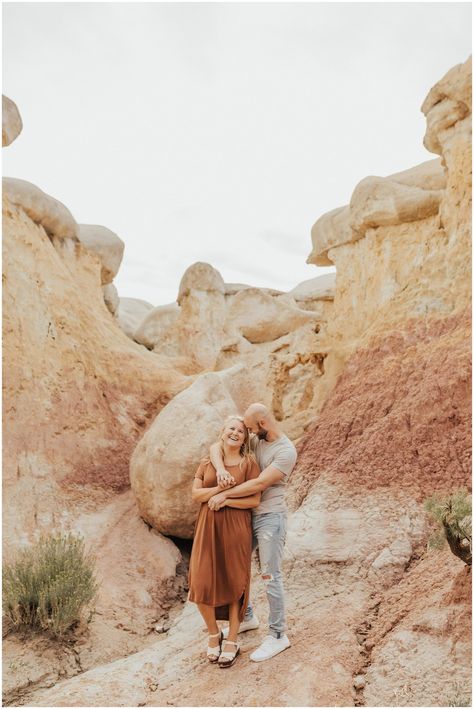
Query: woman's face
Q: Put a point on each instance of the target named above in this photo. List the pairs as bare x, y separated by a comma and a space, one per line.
234, 433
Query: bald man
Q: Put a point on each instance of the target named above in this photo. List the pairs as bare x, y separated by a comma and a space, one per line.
276, 456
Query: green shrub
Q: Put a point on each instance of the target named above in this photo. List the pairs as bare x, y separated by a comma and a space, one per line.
49, 584
453, 513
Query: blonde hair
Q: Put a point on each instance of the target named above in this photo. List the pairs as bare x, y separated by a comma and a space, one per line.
245, 451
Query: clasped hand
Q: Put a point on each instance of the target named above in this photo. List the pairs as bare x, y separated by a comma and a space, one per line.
217, 501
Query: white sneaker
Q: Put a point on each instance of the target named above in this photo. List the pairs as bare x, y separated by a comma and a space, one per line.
250, 624
269, 648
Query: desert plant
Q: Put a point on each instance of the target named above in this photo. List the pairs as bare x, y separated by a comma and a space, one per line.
453, 513
49, 584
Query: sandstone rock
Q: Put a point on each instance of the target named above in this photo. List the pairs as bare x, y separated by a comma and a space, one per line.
53, 216
198, 333
163, 464
406, 196
389, 201
261, 318
200, 277
11, 121
106, 245
319, 288
448, 102
331, 229
111, 297
131, 313
155, 324
72, 378
234, 288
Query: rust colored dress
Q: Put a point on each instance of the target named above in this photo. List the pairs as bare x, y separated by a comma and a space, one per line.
219, 568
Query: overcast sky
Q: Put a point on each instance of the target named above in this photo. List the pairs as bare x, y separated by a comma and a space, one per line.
219, 132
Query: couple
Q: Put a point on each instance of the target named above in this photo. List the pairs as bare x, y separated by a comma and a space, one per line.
247, 469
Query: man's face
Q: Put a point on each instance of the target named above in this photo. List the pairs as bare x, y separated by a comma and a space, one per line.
256, 427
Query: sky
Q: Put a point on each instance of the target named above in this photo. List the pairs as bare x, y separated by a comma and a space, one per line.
219, 132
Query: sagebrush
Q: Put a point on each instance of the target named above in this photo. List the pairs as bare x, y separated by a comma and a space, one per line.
49, 584
453, 512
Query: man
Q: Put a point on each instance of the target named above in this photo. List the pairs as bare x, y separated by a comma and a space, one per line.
276, 456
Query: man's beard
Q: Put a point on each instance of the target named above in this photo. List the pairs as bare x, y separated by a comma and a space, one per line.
262, 434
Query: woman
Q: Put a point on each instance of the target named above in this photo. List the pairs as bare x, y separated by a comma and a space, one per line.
219, 568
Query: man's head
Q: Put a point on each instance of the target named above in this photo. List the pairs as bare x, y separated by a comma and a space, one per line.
259, 420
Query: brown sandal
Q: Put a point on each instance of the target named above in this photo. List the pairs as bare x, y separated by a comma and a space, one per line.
227, 659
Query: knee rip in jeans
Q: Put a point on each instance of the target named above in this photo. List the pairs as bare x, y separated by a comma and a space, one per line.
266, 576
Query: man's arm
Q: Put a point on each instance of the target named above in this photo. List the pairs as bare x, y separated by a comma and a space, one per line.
267, 477
203, 494
243, 503
224, 478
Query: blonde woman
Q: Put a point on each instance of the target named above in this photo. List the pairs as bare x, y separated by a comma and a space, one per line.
219, 568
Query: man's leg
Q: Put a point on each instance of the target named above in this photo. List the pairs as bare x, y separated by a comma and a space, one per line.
249, 615
271, 533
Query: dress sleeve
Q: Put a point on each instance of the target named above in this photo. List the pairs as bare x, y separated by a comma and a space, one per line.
199, 474
253, 471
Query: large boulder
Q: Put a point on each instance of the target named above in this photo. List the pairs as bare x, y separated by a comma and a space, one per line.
447, 105
106, 245
11, 121
52, 215
261, 318
407, 196
163, 464
130, 314
155, 324
314, 289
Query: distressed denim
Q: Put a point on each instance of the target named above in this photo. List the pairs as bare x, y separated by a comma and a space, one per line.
269, 534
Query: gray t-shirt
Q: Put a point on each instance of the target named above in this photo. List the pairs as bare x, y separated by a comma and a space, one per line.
280, 454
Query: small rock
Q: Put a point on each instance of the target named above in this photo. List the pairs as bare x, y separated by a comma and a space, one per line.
161, 628
359, 682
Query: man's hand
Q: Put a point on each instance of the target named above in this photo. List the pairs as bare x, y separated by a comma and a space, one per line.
225, 479
217, 501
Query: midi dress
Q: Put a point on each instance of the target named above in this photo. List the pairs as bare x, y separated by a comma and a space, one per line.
219, 567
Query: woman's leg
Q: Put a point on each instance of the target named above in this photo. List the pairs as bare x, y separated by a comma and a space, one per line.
209, 615
234, 622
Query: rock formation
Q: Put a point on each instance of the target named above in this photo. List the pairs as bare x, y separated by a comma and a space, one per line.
106, 245
130, 314
11, 121
77, 395
370, 371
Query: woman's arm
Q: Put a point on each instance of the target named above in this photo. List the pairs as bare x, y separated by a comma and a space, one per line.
203, 494
243, 503
224, 478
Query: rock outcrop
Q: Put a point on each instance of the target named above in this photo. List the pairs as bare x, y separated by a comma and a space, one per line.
11, 121
197, 333
56, 219
107, 246
155, 324
401, 198
131, 312
71, 376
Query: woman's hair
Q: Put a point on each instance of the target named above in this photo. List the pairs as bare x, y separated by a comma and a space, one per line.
245, 451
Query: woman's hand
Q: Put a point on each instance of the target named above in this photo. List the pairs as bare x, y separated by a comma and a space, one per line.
225, 479
217, 501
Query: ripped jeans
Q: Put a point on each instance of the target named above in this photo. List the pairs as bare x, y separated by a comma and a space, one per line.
269, 533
